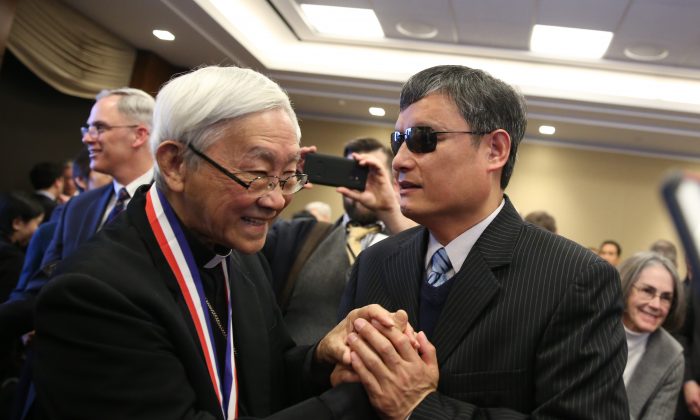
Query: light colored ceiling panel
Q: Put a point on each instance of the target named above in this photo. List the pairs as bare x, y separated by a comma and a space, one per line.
601, 15
495, 23
667, 22
412, 13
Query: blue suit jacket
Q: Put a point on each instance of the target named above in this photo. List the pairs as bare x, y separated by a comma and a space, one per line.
79, 221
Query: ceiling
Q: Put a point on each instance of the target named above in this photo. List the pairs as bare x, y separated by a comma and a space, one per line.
614, 103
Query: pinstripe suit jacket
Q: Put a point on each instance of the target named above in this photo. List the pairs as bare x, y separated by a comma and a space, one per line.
531, 327
654, 386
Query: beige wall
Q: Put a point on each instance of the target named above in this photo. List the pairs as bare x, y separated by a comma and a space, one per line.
593, 195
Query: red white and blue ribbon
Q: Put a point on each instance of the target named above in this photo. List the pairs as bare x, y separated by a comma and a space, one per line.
176, 250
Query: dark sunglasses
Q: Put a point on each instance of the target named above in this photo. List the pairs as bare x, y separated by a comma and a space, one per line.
421, 139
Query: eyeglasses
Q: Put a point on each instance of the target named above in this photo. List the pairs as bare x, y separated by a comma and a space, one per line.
259, 185
422, 139
98, 128
648, 293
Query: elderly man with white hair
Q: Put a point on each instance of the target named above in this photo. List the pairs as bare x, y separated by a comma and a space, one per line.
172, 315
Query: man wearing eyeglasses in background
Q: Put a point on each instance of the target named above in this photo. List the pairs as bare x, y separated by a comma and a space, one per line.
116, 136
521, 323
172, 315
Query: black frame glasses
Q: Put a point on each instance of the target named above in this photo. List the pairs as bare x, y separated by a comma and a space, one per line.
259, 185
422, 139
98, 128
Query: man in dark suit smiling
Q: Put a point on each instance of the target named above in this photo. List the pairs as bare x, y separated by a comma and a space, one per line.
525, 323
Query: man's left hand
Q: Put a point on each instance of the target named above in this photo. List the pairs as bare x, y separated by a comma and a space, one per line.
396, 376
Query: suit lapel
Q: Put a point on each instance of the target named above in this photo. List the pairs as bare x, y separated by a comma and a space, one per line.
649, 371
250, 343
472, 289
475, 285
406, 263
97, 210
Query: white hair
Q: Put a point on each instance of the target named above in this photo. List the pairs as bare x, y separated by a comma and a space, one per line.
190, 108
134, 104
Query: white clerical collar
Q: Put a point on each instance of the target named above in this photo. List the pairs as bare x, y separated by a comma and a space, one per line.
459, 248
217, 259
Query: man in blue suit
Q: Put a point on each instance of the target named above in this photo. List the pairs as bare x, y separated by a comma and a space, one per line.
116, 135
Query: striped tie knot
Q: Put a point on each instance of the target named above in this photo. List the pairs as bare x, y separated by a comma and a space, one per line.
439, 266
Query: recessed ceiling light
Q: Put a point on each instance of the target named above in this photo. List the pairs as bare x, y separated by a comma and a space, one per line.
547, 130
569, 42
347, 22
418, 30
646, 53
377, 111
163, 35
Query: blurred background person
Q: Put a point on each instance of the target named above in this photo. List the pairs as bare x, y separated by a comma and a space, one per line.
654, 303
20, 216
542, 219
47, 181
320, 210
667, 249
69, 187
610, 251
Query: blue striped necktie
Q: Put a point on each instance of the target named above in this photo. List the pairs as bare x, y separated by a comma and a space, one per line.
119, 205
439, 266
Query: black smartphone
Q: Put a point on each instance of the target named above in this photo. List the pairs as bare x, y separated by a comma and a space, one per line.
681, 193
335, 171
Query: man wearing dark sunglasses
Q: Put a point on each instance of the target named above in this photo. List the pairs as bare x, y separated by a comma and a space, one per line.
514, 321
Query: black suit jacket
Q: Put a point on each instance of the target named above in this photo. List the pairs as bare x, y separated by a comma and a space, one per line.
115, 340
531, 327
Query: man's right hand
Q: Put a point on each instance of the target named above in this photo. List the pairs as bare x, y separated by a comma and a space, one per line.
333, 348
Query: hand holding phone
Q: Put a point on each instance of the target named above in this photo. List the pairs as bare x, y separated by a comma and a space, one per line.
335, 171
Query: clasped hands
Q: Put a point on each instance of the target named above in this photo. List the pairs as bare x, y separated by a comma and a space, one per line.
396, 366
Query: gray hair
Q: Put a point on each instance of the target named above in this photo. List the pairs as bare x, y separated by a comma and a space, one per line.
630, 271
486, 103
667, 249
134, 104
191, 108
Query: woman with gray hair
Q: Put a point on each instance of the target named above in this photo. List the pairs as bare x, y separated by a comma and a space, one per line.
654, 303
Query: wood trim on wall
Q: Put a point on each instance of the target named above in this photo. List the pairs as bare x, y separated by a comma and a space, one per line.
151, 72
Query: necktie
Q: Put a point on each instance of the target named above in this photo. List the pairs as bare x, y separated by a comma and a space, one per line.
440, 265
119, 205
355, 234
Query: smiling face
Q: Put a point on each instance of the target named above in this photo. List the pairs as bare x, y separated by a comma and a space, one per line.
642, 314
220, 211
457, 185
113, 148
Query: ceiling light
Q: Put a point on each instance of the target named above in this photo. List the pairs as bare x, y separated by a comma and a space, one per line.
377, 111
163, 35
569, 42
417, 30
346, 22
547, 130
646, 53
